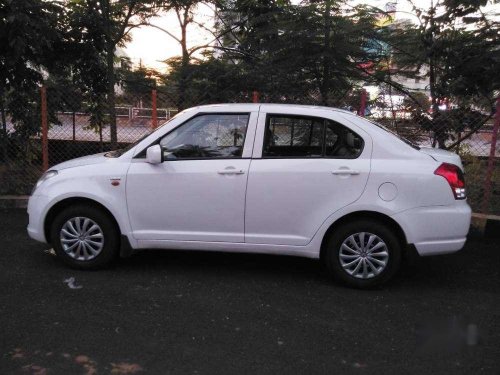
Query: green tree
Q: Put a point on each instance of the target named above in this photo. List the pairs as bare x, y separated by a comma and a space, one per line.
137, 84
30, 35
185, 12
104, 25
457, 48
211, 80
303, 53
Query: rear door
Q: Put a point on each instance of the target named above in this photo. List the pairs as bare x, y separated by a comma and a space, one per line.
306, 165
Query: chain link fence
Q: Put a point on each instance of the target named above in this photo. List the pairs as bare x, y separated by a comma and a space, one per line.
76, 128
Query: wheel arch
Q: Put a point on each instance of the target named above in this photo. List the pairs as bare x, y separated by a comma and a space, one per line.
67, 202
358, 215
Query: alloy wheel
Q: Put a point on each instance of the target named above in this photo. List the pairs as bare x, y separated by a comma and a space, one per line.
363, 255
82, 238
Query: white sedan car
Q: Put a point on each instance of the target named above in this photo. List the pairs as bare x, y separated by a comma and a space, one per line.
296, 180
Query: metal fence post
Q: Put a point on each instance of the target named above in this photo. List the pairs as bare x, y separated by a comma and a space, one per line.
154, 114
74, 125
255, 97
491, 159
45, 129
362, 104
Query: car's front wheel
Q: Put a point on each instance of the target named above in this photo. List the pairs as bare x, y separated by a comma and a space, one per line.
363, 254
85, 237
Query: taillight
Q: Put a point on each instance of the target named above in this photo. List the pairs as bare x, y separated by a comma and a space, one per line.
455, 178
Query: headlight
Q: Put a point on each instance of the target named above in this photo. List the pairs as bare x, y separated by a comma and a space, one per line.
45, 177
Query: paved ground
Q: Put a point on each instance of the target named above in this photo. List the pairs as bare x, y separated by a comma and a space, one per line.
206, 313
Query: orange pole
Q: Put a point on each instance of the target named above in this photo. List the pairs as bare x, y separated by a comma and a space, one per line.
255, 97
45, 129
154, 119
491, 159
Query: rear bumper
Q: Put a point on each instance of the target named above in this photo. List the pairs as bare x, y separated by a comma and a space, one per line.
440, 247
436, 229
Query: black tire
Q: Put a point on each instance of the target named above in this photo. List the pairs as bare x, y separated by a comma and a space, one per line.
331, 255
111, 244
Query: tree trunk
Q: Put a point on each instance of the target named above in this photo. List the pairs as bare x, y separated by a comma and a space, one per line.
434, 106
5, 141
325, 85
439, 132
101, 144
181, 104
110, 73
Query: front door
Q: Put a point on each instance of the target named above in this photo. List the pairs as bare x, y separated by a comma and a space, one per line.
198, 192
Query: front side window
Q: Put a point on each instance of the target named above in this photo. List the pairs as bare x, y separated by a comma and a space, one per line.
309, 137
207, 136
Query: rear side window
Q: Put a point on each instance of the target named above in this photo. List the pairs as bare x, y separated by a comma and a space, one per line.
342, 142
294, 137
309, 137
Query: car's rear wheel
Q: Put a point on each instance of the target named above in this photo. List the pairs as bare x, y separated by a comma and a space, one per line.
363, 254
85, 237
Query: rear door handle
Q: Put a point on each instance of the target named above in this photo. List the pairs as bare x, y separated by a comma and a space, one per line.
231, 171
345, 172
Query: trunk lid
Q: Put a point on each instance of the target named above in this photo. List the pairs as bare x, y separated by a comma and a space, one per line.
443, 156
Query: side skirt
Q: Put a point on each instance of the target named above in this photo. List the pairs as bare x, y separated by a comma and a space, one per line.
301, 251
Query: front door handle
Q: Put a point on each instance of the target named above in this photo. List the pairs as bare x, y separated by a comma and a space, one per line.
345, 172
231, 171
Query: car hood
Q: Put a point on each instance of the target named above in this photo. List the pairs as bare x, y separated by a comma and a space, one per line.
443, 155
84, 160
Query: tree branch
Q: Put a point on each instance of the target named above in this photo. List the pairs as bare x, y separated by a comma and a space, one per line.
194, 49
126, 20
165, 31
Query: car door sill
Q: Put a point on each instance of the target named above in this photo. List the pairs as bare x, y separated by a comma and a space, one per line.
303, 251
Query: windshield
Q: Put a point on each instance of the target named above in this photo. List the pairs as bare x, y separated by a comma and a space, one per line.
121, 151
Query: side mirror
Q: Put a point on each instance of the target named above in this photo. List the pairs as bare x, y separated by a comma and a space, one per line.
154, 154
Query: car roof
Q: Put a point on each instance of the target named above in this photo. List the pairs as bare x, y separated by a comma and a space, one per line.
256, 107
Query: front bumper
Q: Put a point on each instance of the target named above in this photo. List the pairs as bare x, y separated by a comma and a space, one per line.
37, 205
436, 229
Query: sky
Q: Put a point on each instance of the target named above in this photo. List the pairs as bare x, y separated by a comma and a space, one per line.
150, 46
